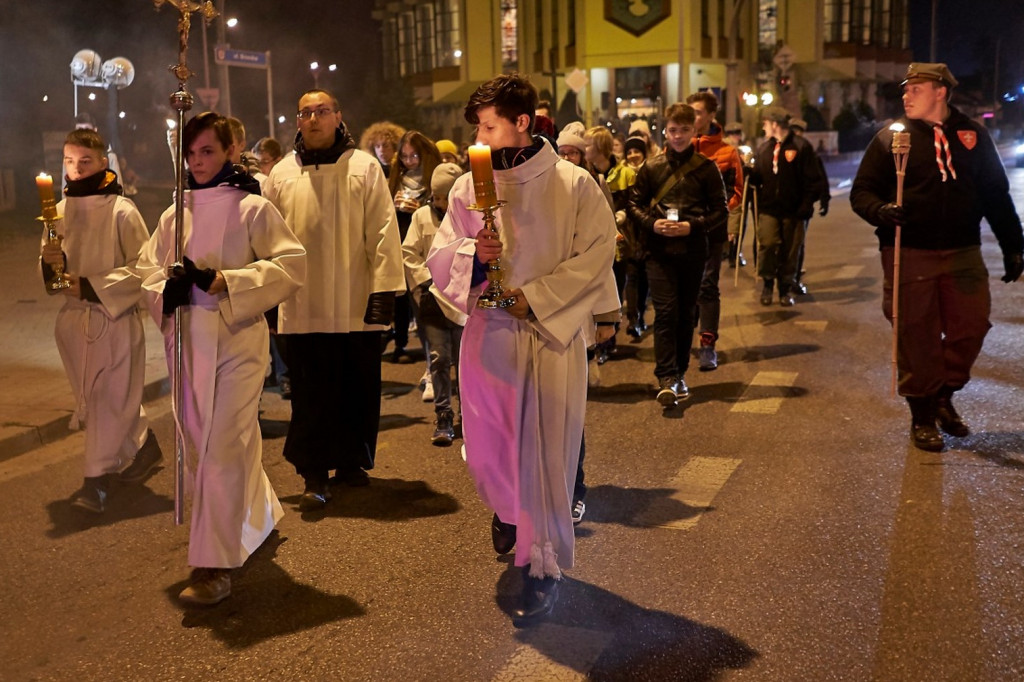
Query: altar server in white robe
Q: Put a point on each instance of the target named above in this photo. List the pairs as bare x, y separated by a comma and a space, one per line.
240, 259
523, 368
336, 200
99, 330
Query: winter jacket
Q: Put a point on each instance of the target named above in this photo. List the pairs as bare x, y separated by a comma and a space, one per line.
790, 182
941, 213
699, 197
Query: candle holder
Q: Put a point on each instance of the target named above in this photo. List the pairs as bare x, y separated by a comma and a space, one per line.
58, 282
494, 296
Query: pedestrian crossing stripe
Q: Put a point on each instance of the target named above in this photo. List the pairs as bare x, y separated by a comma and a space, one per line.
578, 650
765, 393
694, 489
812, 325
850, 271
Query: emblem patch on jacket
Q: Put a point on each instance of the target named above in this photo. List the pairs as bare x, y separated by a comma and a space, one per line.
790, 155
969, 138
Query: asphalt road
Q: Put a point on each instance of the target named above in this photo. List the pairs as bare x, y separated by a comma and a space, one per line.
778, 526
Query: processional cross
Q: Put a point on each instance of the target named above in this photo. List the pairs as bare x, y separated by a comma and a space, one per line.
186, 7
181, 101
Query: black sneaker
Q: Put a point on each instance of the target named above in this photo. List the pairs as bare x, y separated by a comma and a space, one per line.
145, 463
667, 395
92, 496
444, 434
578, 509
767, 292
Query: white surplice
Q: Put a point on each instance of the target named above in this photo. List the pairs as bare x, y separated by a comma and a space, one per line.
523, 383
225, 349
102, 345
344, 213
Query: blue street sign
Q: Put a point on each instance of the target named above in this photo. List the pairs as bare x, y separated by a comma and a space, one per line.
231, 57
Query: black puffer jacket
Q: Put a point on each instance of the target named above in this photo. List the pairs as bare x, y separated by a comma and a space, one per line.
940, 214
699, 196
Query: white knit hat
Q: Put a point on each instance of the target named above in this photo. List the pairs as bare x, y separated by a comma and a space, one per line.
572, 136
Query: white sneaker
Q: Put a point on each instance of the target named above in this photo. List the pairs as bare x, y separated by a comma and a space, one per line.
428, 392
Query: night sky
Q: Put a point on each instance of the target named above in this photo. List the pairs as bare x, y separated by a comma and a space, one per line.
38, 38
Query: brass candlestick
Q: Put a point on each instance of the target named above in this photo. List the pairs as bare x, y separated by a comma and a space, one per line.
494, 295
50, 218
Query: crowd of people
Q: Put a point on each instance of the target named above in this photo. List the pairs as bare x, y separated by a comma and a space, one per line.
307, 266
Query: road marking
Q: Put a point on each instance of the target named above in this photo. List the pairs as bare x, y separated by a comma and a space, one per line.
577, 648
812, 325
849, 271
765, 393
695, 488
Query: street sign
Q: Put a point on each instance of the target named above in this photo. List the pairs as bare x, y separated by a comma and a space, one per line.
576, 80
209, 97
227, 56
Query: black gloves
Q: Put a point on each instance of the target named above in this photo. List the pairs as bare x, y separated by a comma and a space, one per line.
823, 209
380, 308
1014, 264
891, 215
176, 289
202, 278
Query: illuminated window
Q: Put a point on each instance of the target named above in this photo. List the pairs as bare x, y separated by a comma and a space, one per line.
446, 32
510, 35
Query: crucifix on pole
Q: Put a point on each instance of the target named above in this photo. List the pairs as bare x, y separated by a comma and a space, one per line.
554, 87
181, 101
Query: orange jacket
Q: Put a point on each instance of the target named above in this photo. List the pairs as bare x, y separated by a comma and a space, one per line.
726, 158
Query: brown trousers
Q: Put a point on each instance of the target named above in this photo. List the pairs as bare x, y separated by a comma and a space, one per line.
943, 316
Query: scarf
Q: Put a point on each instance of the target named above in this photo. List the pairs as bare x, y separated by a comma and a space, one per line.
231, 175
510, 157
942, 145
103, 182
314, 157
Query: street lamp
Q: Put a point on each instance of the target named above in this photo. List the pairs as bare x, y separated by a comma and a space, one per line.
314, 67
88, 70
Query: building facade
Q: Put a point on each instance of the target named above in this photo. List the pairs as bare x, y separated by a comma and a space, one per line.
629, 58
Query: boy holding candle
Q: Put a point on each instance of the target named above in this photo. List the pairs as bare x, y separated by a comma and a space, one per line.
523, 365
99, 330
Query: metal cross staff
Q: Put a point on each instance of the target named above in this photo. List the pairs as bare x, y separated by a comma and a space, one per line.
181, 101
900, 153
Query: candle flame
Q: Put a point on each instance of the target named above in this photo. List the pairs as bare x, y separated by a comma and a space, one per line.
897, 127
44, 176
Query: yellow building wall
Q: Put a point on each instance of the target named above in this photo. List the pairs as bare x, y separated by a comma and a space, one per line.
603, 44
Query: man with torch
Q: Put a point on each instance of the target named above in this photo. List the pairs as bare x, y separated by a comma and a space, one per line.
953, 178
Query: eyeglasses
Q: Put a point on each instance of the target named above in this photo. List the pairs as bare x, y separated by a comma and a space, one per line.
409, 157
307, 114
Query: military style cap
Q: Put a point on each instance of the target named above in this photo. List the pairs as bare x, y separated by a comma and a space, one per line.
931, 72
798, 123
775, 114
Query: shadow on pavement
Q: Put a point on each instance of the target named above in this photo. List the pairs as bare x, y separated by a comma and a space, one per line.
638, 643
779, 350
125, 502
385, 499
995, 447
400, 421
637, 507
265, 603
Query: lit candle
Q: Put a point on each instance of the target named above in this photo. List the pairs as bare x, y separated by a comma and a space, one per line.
44, 183
483, 175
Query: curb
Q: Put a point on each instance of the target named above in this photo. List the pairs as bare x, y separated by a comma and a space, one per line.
57, 429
